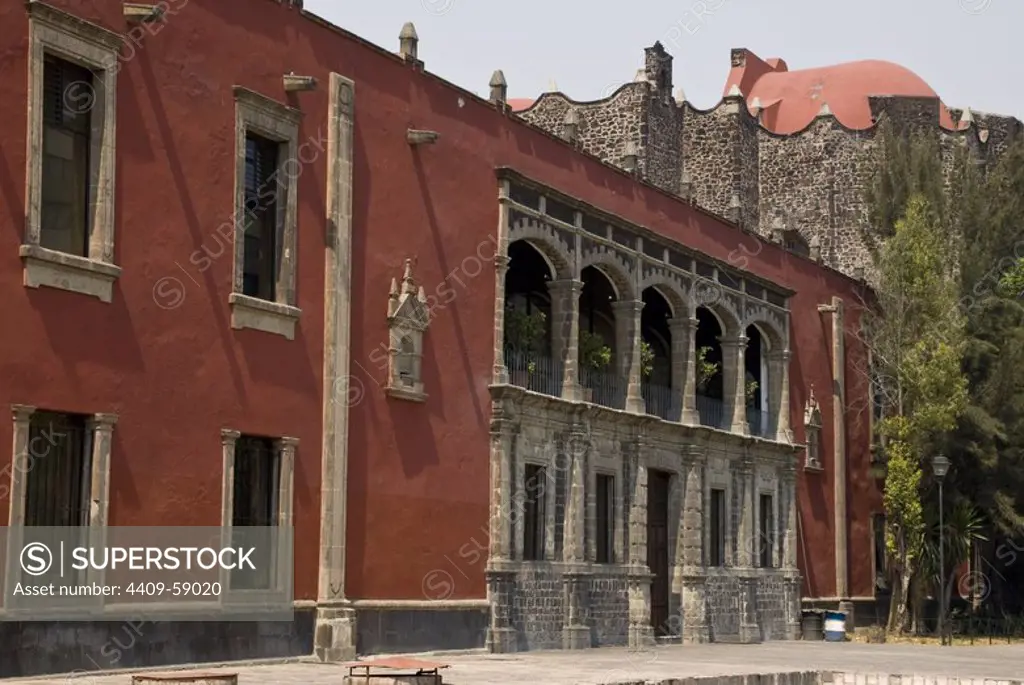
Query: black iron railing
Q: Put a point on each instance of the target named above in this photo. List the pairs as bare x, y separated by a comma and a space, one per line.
711, 411
658, 400
601, 386
534, 372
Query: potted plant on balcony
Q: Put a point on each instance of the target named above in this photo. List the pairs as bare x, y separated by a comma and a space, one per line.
646, 360
705, 370
594, 356
751, 392
524, 338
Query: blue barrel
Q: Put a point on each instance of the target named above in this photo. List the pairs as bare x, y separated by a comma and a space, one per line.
835, 626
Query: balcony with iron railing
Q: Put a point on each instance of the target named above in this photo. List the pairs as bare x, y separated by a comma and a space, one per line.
658, 400
711, 411
542, 374
602, 387
534, 372
760, 423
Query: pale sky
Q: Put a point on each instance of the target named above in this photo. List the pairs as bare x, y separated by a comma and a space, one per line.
965, 49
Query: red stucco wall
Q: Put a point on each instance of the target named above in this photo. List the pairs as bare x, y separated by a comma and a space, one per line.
418, 473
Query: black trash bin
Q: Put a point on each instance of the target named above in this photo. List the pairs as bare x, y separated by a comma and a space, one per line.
812, 625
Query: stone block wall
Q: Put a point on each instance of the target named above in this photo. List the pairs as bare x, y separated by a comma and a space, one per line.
568, 599
812, 182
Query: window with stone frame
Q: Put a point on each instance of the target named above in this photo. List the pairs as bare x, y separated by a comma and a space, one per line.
605, 547
260, 256
256, 501
534, 512
59, 476
258, 504
408, 320
266, 215
67, 129
812, 431
717, 522
70, 199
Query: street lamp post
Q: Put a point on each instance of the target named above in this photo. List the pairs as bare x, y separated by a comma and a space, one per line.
940, 465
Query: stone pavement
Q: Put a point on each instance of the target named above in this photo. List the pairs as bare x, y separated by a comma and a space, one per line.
611, 665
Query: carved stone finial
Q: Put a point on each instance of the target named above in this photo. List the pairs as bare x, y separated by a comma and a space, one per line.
967, 117
408, 42
680, 95
393, 298
408, 284
641, 76
552, 86
499, 87
734, 91
755, 106
825, 110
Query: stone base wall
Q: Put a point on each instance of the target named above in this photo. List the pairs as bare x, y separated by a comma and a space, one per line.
43, 647
538, 607
608, 609
397, 629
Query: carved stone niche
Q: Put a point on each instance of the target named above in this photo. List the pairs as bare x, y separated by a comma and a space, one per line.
408, 320
812, 429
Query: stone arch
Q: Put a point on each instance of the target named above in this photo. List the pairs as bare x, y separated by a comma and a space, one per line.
552, 246
730, 322
669, 286
615, 267
772, 328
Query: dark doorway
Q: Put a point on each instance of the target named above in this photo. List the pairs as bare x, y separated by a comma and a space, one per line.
657, 548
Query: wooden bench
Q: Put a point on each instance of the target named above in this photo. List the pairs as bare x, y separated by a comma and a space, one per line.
393, 671
186, 678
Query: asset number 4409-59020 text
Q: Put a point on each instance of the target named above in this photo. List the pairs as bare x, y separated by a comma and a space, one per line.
174, 589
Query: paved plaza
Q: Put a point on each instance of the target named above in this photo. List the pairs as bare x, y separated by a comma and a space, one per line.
616, 665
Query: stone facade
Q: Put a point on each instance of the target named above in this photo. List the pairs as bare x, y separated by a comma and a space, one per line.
808, 184
565, 597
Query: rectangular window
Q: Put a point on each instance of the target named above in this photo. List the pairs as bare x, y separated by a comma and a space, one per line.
255, 502
68, 91
260, 256
716, 553
605, 519
766, 547
534, 513
59, 475
881, 565
59, 471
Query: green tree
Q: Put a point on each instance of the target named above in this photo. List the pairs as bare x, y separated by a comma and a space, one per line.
915, 334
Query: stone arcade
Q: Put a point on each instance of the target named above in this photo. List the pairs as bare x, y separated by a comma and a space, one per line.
691, 555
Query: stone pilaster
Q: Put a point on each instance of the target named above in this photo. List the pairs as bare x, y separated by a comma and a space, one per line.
335, 629
565, 333
749, 629
500, 570
576, 633
500, 372
573, 541
684, 370
778, 381
746, 536
22, 464
691, 549
789, 550
734, 351
641, 633
627, 333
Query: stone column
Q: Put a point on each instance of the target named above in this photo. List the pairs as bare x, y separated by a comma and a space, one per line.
748, 540
684, 363
22, 464
778, 397
641, 632
690, 416
576, 577
500, 372
627, 333
790, 569
102, 428
565, 333
734, 351
691, 535
500, 573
